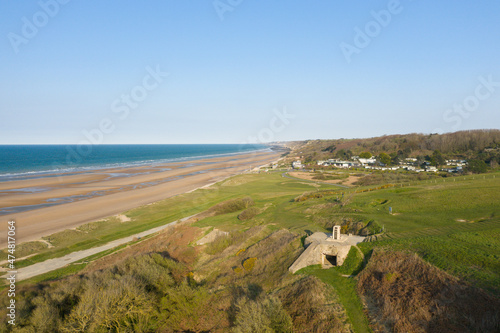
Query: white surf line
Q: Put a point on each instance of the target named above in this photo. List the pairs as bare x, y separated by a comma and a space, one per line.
56, 263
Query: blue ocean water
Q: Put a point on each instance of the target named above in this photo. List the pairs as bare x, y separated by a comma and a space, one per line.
20, 161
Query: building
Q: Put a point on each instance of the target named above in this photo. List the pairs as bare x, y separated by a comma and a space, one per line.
367, 161
297, 165
325, 249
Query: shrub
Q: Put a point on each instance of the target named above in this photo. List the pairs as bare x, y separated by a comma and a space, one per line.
365, 154
261, 315
218, 245
477, 166
409, 295
314, 195
188, 308
248, 264
240, 251
121, 303
232, 205
322, 176
224, 241
371, 228
248, 213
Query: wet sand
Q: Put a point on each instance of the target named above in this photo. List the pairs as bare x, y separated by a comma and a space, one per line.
105, 193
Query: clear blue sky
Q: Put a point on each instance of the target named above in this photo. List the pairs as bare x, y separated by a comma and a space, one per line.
228, 77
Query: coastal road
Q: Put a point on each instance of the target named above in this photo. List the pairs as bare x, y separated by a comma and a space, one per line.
56, 263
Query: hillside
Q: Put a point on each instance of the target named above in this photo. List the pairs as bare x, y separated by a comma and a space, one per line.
240, 281
475, 144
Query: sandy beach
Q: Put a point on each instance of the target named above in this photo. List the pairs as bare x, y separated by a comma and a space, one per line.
103, 193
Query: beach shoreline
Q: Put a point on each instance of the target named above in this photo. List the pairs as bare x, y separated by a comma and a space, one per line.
126, 189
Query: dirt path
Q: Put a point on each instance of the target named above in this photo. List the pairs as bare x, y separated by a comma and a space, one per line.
56, 263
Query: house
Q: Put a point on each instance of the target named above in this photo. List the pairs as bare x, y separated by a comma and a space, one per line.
460, 163
297, 165
366, 161
453, 170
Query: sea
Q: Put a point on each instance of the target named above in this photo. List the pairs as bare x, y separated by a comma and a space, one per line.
18, 162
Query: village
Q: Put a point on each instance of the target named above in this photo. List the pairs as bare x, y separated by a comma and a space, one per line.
408, 164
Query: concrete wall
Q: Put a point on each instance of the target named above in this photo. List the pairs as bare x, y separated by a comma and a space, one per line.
313, 255
340, 251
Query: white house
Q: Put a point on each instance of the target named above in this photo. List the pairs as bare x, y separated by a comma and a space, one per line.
364, 161
297, 164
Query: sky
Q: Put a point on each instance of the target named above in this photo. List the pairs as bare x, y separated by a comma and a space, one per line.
240, 71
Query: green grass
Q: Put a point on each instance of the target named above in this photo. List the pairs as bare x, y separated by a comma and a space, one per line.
425, 221
473, 256
263, 188
101, 232
426, 205
346, 290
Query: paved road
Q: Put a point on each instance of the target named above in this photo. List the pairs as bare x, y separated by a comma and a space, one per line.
56, 263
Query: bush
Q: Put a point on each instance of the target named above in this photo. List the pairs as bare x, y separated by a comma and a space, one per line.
248, 213
314, 195
224, 241
365, 154
187, 308
477, 166
232, 205
261, 315
409, 295
249, 263
371, 228
323, 176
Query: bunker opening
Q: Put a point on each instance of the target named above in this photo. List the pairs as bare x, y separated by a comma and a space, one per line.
331, 259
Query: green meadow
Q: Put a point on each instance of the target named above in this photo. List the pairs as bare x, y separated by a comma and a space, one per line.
453, 223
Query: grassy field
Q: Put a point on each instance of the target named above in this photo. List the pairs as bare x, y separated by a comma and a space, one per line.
346, 289
452, 223
474, 256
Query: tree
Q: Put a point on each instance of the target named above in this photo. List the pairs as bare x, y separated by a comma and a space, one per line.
365, 154
437, 158
384, 158
394, 158
330, 148
477, 166
344, 154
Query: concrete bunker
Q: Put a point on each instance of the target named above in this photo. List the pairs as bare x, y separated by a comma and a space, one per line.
325, 249
328, 259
